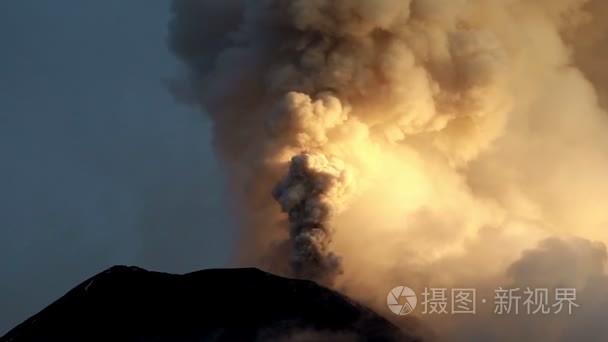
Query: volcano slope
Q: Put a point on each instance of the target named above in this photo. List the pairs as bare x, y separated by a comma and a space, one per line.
132, 304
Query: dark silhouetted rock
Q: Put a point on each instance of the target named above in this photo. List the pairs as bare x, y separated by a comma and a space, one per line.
132, 304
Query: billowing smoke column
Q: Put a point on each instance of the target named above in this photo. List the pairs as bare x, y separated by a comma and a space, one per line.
446, 142
311, 191
308, 81
305, 194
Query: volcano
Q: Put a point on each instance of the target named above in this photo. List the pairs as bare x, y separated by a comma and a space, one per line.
132, 304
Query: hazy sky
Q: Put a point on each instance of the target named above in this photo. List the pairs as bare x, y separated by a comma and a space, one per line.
99, 166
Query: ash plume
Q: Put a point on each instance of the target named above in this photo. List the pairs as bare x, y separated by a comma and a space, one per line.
440, 139
306, 194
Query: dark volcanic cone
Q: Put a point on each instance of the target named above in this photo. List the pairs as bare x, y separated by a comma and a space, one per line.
132, 304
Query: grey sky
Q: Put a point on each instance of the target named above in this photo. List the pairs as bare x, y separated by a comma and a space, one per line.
98, 164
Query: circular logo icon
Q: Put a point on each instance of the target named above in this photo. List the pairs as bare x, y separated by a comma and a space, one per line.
401, 300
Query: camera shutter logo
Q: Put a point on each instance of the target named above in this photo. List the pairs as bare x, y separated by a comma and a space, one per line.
401, 300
